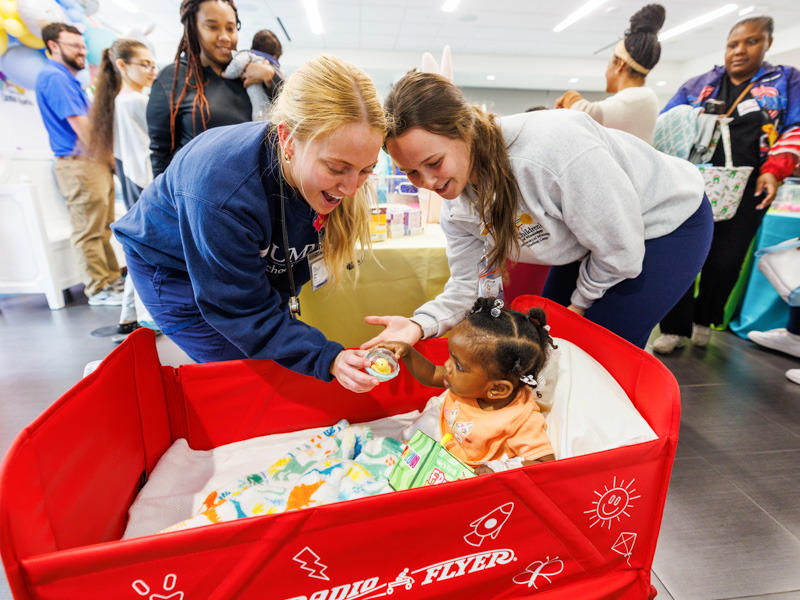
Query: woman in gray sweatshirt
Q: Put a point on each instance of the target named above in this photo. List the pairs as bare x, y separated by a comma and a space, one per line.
626, 227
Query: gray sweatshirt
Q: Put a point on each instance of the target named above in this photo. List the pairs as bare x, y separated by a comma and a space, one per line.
588, 194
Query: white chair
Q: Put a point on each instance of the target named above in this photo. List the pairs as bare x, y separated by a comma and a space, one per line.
35, 252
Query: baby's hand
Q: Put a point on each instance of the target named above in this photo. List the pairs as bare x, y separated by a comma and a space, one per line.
400, 349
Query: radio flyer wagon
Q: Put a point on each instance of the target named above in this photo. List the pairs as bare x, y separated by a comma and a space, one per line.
583, 527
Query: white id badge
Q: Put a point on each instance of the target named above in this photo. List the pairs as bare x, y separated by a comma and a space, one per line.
747, 106
490, 283
319, 272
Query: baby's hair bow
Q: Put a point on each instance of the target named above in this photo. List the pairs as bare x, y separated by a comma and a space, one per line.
498, 304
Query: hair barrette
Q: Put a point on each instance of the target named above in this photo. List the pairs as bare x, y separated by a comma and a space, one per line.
498, 304
528, 380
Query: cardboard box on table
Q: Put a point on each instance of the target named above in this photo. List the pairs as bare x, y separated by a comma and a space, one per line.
583, 527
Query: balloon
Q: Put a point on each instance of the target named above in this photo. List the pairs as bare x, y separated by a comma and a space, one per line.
3, 42
14, 27
89, 6
31, 41
8, 9
38, 13
21, 65
84, 77
97, 39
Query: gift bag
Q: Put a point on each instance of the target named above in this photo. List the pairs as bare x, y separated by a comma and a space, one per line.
725, 185
780, 264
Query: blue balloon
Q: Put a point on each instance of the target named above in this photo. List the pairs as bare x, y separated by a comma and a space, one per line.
67, 4
21, 66
75, 14
84, 77
97, 39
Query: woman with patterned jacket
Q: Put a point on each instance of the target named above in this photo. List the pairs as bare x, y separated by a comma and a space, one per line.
765, 134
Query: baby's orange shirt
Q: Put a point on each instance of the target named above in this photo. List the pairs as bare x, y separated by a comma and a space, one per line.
482, 435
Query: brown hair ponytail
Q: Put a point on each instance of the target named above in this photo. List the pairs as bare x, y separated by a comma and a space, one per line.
107, 86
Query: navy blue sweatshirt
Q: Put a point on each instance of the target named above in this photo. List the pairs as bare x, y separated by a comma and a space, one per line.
215, 213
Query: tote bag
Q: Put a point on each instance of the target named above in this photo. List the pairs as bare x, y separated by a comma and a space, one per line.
780, 264
725, 185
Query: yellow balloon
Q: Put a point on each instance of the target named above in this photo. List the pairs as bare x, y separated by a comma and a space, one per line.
3, 42
15, 27
8, 9
31, 41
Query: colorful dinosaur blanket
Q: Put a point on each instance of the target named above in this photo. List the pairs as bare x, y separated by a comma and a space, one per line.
341, 463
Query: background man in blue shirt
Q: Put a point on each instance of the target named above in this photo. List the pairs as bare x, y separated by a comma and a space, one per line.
86, 182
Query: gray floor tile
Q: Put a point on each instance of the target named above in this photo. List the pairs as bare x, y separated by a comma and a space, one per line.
770, 479
785, 596
662, 592
716, 542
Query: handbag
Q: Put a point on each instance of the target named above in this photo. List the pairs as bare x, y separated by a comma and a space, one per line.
780, 264
724, 186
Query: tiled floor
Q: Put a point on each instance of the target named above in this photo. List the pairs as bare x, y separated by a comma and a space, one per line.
731, 527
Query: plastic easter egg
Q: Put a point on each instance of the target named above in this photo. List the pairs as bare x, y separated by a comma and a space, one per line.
383, 365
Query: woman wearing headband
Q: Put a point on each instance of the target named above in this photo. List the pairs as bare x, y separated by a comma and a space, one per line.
633, 107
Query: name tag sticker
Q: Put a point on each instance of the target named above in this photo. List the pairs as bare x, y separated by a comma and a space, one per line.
747, 106
319, 272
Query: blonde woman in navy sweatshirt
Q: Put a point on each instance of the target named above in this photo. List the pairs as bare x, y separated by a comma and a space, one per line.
205, 242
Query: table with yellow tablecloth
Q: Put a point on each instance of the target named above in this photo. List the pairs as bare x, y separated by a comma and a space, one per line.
403, 274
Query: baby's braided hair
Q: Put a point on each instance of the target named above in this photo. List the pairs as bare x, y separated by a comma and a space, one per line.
515, 346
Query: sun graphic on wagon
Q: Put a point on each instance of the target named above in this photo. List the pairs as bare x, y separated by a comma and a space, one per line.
612, 503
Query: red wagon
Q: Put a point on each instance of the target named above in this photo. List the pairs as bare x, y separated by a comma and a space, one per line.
583, 527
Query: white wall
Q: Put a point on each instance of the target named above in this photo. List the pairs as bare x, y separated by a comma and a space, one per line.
21, 126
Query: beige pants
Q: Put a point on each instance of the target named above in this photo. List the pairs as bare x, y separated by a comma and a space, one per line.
89, 189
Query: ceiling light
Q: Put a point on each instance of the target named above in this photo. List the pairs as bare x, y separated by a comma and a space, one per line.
579, 14
490, 77
573, 80
747, 10
661, 83
450, 5
128, 5
314, 18
696, 22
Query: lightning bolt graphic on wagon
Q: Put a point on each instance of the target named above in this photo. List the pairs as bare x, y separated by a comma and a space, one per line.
489, 525
317, 569
141, 588
612, 503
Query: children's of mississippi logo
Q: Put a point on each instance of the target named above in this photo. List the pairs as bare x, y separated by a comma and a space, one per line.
529, 231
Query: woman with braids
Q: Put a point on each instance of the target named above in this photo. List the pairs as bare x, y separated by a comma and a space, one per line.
191, 95
633, 107
220, 243
626, 226
496, 356
119, 132
765, 135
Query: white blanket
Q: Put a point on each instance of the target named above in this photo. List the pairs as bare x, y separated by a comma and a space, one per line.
585, 409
